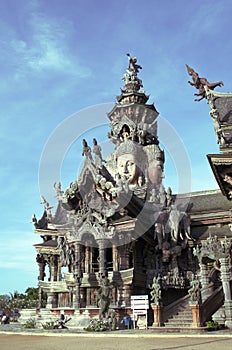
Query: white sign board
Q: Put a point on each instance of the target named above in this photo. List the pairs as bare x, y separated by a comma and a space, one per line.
139, 306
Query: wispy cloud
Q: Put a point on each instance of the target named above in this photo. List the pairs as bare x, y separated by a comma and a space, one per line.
44, 48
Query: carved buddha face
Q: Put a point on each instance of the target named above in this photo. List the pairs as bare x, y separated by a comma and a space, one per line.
127, 168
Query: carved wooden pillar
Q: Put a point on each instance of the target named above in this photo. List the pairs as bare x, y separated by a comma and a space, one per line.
101, 257
88, 296
225, 277
42, 263
90, 259
204, 279
115, 258
87, 259
53, 264
77, 275
59, 273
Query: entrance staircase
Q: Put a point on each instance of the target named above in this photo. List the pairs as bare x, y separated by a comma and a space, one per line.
178, 315
183, 319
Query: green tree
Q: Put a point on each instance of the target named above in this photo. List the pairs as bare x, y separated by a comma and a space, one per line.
18, 301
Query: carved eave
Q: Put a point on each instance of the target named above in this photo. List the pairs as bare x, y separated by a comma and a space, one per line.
221, 165
48, 232
222, 102
134, 111
97, 231
47, 247
221, 111
132, 97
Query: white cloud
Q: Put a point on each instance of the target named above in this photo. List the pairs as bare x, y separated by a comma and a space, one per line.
45, 49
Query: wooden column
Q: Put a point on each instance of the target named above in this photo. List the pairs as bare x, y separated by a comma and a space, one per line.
77, 275
102, 259
225, 277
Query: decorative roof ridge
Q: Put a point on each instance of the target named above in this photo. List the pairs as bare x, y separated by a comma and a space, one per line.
198, 193
217, 93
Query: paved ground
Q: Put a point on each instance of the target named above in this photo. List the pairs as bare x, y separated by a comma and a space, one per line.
120, 340
105, 342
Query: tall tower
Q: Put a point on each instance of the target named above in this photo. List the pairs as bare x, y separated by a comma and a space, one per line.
134, 131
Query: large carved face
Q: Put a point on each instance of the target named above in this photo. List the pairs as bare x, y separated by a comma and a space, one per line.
155, 172
127, 168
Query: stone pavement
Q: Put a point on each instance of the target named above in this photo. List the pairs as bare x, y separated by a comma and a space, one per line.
14, 337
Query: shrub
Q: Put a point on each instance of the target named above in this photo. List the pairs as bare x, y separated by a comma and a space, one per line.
30, 323
97, 325
48, 325
212, 324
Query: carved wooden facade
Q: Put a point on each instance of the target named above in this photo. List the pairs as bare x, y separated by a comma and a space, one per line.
117, 221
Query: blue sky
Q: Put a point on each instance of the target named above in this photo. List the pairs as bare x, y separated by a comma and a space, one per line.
61, 57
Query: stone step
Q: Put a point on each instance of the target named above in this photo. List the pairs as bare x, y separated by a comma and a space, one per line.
174, 322
181, 317
178, 325
187, 314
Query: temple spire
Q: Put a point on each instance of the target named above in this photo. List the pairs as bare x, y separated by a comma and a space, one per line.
132, 82
131, 93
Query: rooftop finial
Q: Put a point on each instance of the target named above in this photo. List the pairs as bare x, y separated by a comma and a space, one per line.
132, 82
133, 67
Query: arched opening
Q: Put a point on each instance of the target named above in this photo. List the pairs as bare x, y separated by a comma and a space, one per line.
125, 132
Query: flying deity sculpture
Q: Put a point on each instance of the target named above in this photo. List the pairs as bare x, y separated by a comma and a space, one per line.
199, 83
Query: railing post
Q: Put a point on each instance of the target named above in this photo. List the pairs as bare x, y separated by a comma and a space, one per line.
157, 311
196, 315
